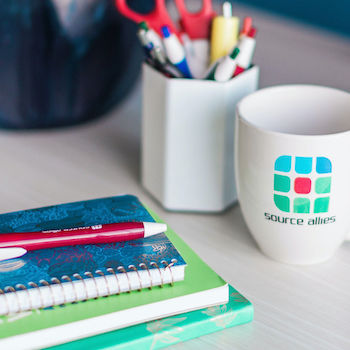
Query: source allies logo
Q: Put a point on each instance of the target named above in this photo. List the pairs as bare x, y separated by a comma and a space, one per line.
302, 184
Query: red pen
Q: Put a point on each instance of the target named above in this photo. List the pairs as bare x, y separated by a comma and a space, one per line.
13, 245
247, 47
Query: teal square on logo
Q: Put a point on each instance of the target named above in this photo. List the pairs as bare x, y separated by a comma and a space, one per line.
321, 205
303, 165
283, 163
301, 205
323, 165
281, 183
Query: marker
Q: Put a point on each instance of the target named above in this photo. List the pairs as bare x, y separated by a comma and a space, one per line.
224, 34
247, 47
175, 51
162, 64
226, 67
151, 35
14, 245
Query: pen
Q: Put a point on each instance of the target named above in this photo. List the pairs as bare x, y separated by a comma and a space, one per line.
162, 64
175, 51
156, 57
151, 35
224, 70
13, 245
145, 43
247, 47
224, 33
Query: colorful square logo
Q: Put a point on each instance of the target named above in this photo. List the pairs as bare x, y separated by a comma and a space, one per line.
302, 184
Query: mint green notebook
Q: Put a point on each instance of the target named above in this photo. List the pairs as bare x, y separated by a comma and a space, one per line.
200, 288
171, 330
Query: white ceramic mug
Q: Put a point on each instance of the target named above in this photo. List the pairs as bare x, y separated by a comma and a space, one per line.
292, 164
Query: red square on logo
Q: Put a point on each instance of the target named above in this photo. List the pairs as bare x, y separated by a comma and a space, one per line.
302, 185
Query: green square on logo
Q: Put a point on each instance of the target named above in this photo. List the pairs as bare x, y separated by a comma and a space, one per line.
301, 205
282, 183
321, 205
323, 185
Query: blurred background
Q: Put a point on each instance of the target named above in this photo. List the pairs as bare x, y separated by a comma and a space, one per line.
334, 15
63, 62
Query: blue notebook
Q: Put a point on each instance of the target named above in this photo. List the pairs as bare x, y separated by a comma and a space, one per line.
48, 277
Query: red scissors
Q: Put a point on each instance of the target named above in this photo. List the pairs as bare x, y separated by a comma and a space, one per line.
196, 25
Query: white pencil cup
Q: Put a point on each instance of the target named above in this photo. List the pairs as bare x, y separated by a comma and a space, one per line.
188, 138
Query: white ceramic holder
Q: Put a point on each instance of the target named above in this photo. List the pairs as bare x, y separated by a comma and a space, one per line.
188, 137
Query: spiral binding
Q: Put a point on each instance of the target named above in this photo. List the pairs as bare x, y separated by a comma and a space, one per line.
47, 284
55, 280
77, 276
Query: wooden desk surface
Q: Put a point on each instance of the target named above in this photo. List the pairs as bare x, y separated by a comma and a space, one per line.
295, 307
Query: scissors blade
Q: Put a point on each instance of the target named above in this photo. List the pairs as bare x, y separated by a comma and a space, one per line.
11, 253
196, 24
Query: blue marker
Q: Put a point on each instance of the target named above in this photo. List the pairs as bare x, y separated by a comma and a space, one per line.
175, 52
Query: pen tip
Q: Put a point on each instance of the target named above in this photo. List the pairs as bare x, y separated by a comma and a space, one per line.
11, 253
153, 228
166, 31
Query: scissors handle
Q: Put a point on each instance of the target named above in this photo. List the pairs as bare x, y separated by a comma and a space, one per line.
196, 25
157, 18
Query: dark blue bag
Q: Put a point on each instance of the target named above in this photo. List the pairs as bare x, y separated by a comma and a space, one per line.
63, 61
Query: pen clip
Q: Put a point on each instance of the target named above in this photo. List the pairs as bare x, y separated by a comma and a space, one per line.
11, 253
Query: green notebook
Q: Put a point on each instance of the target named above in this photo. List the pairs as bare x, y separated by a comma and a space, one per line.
201, 287
170, 330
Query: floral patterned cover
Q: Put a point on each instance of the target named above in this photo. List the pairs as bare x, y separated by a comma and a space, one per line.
45, 264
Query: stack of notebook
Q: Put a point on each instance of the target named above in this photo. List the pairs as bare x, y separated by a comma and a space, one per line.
58, 297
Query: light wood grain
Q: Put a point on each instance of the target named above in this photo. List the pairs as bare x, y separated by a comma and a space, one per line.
295, 307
